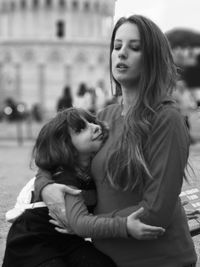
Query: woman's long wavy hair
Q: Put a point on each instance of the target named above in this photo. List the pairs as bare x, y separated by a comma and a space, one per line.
126, 164
54, 150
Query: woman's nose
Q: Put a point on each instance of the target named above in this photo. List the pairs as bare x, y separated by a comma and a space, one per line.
122, 53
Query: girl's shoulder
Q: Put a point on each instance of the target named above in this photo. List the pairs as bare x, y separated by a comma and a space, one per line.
66, 177
75, 179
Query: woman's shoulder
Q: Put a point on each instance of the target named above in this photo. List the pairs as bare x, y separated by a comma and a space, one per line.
110, 112
169, 124
168, 109
168, 116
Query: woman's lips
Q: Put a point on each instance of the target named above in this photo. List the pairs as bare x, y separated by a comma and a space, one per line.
121, 66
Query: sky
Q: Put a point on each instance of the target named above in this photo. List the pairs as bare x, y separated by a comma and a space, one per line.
167, 14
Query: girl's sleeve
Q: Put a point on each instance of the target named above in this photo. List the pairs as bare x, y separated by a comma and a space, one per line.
168, 150
87, 225
43, 178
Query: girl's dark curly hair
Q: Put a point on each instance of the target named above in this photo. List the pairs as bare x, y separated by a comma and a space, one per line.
53, 150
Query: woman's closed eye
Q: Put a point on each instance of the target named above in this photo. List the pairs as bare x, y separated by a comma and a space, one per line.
117, 46
135, 47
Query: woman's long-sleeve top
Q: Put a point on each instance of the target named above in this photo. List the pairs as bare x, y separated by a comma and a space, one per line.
166, 153
167, 150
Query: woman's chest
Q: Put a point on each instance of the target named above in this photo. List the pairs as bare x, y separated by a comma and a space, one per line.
98, 166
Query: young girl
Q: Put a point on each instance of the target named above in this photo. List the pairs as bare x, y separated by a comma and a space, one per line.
64, 147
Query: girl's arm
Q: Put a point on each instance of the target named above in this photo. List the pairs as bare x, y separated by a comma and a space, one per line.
82, 223
44, 181
87, 225
43, 178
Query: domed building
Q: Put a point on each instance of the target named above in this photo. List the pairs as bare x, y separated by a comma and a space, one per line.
48, 44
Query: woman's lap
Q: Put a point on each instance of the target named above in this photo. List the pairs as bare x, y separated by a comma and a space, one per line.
84, 256
89, 256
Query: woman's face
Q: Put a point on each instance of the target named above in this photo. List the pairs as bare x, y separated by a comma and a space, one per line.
126, 55
87, 139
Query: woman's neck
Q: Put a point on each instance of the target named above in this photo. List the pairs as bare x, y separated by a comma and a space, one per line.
129, 98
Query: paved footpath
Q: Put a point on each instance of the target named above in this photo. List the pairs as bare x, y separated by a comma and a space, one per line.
15, 172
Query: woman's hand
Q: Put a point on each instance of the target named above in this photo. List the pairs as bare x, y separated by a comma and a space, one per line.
142, 231
60, 227
54, 197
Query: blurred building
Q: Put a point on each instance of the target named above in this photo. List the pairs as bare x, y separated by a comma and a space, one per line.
47, 44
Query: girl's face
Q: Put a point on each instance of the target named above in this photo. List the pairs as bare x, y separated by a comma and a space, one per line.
126, 55
88, 138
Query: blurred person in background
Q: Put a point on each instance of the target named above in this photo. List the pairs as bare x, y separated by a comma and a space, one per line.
185, 101
65, 101
10, 109
83, 98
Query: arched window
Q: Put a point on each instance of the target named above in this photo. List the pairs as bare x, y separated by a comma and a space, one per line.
54, 56
4, 7
23, 4
48, 3
35, 4
12, 6
62, 4
75, 5
60, 29
96, 6
105, 9
86, 6
81, 57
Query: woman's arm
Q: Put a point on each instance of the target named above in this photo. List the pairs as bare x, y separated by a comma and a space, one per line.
168, 148
167, 157
52, 194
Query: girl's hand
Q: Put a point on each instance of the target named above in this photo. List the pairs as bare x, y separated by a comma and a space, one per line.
142, 231
54, 197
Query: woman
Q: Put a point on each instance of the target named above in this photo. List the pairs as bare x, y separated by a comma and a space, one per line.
142, 162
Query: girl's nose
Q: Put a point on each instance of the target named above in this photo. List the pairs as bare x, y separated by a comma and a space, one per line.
96, 128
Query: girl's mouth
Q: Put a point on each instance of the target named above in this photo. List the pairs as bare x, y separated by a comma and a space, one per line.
99, 137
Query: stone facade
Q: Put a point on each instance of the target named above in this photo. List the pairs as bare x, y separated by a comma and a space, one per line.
47, 44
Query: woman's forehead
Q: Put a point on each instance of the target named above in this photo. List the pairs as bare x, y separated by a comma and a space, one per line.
128, 31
